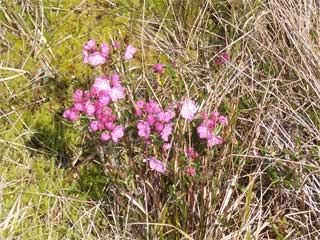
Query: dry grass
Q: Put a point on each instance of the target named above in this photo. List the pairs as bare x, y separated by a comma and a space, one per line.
263, 184
272, 84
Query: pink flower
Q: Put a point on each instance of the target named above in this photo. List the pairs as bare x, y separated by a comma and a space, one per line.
103, 101
205, 116
96, 59
77, 96
117, 133
166, 132
66, 113
91, 45
105, 136
104, 49
129, 53
92, 56
191, 153
166, 117
140, 104
190, 171
151, 119
117, 92
224, 58
214, 140
203, 131
215, 115
174, 64
139, 112
156, 165
158, 68
143, 129
89, 108
116, 45
100, 84
109, 125
94, 126
152, 107
139, 107
166, 146
71, 114
188, 109
223, 120
159, 127
79, 107
115, 78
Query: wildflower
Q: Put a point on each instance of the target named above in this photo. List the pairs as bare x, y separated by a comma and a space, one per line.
103, 100
100, 84
151, 119
166, 132
91, 45
116, 45
109, 125
115, 78
92, 56
139, 112
139, 107
191, 153
156, 165
77, 96
96, 59
71, 114
117, 92
203, 130
190, 171
89, 108
188, 109
166, 146
174, 64
143, 129
94, 126
105, 136
224, 58
104, 50
166, 117
223, 120
79, 107
152, 107
214, 140
117, 133
129, 53
158, 68
159, 127
140, 104
205, 116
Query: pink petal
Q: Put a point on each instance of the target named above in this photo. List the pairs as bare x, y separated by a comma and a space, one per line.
188, 109
156, 165
96, 59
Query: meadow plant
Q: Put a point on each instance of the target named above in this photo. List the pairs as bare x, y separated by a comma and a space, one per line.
96, 110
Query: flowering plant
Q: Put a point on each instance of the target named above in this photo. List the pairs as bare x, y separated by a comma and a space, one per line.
97, 110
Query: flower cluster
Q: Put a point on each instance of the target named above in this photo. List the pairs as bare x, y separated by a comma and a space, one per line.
94, 57
208, 129
154, 120
96, 105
